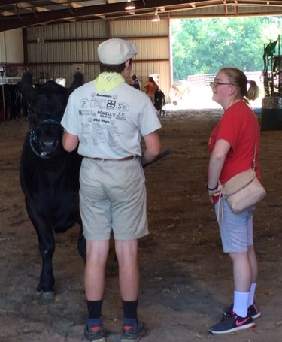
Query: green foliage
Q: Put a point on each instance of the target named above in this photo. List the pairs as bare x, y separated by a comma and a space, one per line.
206, 45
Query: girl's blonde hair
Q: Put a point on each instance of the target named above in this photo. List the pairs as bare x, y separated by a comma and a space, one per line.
238, 78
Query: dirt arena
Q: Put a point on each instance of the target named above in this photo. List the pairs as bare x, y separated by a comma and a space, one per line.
186, 280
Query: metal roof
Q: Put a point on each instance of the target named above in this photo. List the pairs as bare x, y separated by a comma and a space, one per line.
21, 14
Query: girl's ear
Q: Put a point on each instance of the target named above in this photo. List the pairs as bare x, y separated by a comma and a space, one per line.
233, 90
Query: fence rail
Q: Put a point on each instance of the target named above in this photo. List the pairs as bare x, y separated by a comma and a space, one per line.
206, 79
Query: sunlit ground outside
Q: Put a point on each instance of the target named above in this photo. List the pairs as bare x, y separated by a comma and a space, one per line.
200, 97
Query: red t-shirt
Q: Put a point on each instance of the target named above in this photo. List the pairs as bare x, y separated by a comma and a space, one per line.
238, 126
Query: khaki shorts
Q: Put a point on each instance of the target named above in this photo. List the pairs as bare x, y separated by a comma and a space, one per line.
113, 198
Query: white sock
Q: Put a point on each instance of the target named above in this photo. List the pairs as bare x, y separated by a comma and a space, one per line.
252, 294
240, 306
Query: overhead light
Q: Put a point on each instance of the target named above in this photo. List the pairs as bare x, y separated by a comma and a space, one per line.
156, 17
130, 5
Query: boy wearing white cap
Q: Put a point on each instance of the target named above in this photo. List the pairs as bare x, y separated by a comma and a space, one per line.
106, 118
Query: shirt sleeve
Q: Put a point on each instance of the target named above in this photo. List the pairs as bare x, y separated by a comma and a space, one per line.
70, 117
229, 129
149, 121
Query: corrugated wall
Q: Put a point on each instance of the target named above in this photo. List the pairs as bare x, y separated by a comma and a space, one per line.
152, 40
11, 47
77, 30
59, 49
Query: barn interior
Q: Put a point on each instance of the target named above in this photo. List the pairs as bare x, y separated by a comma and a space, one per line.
185, 278
53, 38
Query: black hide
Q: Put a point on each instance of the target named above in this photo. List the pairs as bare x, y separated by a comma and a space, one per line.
49, 175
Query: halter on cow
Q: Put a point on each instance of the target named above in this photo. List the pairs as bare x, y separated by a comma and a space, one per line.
44, 144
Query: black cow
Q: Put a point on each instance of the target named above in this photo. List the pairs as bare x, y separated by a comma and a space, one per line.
49, 175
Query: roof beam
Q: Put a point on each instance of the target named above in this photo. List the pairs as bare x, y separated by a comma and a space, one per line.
108, 10
12, 2
151, 4
25, 20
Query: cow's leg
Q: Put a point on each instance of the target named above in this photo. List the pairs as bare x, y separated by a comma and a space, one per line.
46, 243
46, 248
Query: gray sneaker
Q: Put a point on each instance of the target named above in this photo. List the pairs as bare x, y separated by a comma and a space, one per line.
232, 323
253, 311
130, 334
96, 334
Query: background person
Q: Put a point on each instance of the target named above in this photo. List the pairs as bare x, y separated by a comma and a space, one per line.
151, 86
135, 82
107, 117
159, 101
232, 145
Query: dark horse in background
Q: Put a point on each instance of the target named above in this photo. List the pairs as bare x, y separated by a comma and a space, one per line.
49, 175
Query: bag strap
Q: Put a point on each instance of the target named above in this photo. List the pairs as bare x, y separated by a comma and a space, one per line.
254, 159
255, 150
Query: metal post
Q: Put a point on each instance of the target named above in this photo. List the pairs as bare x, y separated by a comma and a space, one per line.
279, 68
2, 72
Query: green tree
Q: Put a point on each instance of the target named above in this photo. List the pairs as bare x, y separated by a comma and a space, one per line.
206, 45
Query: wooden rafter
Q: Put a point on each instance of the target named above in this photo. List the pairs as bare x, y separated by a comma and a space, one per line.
17, 14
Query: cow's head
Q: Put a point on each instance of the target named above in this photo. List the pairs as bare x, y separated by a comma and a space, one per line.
46, 106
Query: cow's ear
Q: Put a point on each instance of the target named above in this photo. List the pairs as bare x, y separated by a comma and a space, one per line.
26, 86
77, 81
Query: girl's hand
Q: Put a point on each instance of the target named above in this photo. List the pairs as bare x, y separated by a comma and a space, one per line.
215, 192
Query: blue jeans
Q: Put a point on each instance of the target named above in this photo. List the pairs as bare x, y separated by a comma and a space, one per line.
236, 230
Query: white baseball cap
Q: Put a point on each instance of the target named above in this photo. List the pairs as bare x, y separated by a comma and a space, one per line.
115, 51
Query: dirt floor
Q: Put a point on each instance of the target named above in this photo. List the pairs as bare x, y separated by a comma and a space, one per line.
186, 280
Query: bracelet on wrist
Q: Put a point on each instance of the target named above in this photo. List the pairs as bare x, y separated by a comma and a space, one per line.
212, 189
